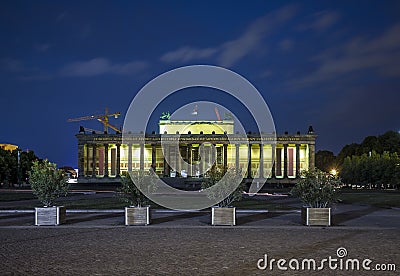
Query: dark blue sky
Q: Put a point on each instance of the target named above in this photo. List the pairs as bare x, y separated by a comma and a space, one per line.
332, 64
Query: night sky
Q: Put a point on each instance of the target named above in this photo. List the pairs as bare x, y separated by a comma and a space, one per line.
331, 64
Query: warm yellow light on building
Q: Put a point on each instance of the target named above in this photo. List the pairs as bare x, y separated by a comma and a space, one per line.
196, 127
8, 147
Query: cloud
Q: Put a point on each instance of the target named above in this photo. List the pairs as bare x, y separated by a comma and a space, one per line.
39, 76
88, 68
61, 16
324, 20
266, 74
41, 47
129, 68
11, 65
99, 66
186, 54
93, 67
380, 55
234, 50
230, 52
286, 44
321, 21
23, 72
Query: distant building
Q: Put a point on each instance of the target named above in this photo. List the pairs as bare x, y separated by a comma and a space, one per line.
9, 147
104, 157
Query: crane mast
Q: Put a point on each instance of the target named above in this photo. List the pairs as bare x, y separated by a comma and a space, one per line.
102, 118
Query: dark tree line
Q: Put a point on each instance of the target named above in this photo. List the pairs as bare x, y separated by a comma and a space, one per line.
373, 170
12, 171
390, 142
375, 163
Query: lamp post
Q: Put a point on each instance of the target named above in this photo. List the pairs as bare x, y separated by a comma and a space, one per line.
333, 172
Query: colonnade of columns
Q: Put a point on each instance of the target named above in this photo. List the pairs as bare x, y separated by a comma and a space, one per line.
288, 169
91, 163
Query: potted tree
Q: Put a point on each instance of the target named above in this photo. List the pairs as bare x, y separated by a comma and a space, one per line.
317, 190
137, 212
224, 187
48, 183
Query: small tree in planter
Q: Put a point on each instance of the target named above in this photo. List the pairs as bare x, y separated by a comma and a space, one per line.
317, 190
48, 183
131, 193
225, 187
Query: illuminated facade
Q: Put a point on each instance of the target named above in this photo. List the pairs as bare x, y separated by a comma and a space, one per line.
8, 147
103, 157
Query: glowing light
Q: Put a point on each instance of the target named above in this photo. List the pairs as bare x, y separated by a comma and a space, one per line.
333, 172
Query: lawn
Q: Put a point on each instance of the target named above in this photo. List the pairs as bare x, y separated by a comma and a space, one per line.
378, 198
27, 200
15, 196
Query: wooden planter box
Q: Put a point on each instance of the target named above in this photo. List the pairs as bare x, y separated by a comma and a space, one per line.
316, 216
223, 216
50, 215
137, 215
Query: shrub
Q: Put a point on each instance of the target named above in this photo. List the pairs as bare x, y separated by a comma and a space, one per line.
317, 189
229, 188
132, 186
47, 182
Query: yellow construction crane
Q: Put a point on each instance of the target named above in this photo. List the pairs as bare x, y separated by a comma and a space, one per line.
103, 118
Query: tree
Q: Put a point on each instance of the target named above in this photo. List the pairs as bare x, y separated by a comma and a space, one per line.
348, 150
389, 141
12, 172
369, 144
223, 185
372, 170
26, 161
325, 160
47, 182
133, 185
8, 167
317, 189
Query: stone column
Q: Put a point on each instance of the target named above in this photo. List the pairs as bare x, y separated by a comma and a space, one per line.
285, 161
297, 160
94, 161
81, 159
213, 154
189, 159
177, 159
237, 157
153, 157
166, 165
105, 160
141, 165
225, 162
261, 166
311, 155
87, 160
118, 159
249, 161
129, 157
273, 149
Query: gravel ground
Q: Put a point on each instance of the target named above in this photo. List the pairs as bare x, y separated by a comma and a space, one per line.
185, 251
186, 244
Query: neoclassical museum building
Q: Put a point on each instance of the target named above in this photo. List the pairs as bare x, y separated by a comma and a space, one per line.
105, 157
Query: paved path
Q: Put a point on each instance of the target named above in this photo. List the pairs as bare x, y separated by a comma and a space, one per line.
179, 243
186, 251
